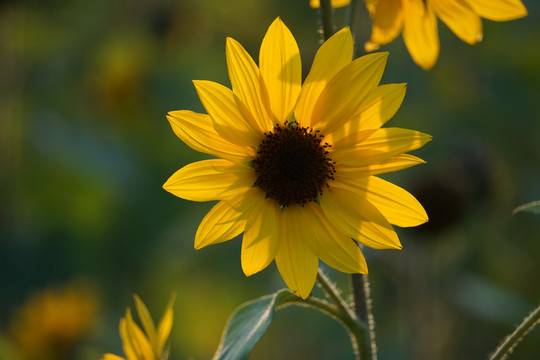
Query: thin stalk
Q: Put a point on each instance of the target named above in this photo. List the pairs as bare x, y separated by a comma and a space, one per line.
327, 19
360, 23
362, 308
357, 331
332, 292
513, 339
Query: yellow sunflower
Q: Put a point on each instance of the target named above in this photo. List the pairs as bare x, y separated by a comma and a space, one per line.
335, 3
298, 162
418, 19
147, 345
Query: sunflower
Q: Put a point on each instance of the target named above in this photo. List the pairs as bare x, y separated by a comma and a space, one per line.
418, 18
148, 345
297, 163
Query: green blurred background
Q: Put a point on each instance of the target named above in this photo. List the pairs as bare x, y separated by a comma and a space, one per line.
85, 148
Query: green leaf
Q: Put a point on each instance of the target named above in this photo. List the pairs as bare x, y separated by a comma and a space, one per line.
533, 207
248, 324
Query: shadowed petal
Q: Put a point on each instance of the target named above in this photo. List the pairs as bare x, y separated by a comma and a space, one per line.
380, 146
209, 180
221, 224
498, 10
420, 33
341, 98
396, 163
387, 21
358, 218
331, 57
333, 247
397, 205
460, 18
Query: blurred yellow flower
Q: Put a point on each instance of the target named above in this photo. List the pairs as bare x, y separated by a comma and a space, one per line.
149, 345
297, 166
418, 19
335, 3
50, 323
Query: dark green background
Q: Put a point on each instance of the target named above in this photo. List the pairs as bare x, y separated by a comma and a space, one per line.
85, 148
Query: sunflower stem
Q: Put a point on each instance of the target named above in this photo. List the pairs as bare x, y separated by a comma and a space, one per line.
358, 331
511, 341
362, 308
327, 19
359, 21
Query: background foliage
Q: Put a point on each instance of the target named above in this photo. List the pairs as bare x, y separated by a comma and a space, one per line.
85, 148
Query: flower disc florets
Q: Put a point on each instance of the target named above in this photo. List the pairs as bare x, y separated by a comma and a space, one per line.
292, 164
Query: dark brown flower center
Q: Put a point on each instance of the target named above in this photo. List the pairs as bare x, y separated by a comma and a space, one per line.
292, 165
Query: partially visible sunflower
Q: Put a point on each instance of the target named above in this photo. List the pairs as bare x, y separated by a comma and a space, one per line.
149, 345
335, 3
298, 162
418, 19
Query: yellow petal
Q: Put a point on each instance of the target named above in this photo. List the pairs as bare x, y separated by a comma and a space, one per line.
383, 144
396, 163
221, 224
460, 18
387, 20
341, 98
335, 3
498, 10
295, 259
331, 57
141, 346
397, 205
261, 236
112, 357
165, 325
420, 33
209, 180
356, 217
147, 322
127, 341
333, 247
281, 70
379, 107
228, 120
244, 76
198, 132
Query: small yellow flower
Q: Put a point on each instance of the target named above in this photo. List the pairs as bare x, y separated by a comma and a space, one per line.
298, 162
52, 321
418, 20
149, 345
335, 3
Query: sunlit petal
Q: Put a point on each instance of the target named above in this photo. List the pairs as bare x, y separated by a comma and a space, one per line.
387, 21
209, 180
244, 75
281, 70
295, 259
395, 163
197, 131
228, 119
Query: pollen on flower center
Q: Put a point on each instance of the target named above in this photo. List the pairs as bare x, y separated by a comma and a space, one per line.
292, 164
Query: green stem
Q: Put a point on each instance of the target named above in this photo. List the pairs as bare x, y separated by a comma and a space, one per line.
332, 292
356, 330
360, 23
513, 339
362, 308
327, 19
